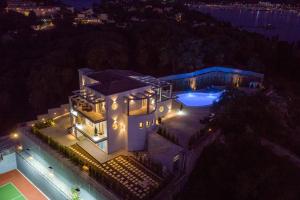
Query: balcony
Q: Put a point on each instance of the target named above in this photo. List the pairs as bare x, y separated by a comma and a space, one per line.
141, 103
94, 112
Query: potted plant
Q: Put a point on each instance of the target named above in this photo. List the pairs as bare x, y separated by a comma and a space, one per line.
95, 131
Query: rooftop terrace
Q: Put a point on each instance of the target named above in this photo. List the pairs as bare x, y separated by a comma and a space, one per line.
112, 82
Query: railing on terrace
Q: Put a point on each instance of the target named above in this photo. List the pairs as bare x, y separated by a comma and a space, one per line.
88, 136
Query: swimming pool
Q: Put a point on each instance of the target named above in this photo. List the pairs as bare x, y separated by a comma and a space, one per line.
198, 99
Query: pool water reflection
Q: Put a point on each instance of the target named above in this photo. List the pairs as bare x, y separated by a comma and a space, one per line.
198, 99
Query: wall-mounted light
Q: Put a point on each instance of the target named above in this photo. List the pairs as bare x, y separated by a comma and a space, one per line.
15, 135
115, 125
161, 109
152, 101
114, 105
19, 147
169, 108
131, 101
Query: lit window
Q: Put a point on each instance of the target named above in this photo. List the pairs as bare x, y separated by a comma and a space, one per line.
161, 109
147, 123
141, 124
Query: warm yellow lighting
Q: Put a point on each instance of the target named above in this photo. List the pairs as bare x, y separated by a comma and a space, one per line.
114, 98
30, 158
115, 125
85, 168
54, 113
193, 83
147, 123
180, 113
15, 135
114, 105
141, 125
161, 109
19, 147
209, 130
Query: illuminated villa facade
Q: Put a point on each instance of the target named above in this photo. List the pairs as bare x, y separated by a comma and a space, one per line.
115, 109
122, 135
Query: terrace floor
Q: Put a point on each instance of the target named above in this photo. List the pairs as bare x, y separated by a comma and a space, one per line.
59, 132
186, 124
94, 116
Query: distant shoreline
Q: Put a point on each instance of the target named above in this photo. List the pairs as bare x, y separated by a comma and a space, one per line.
80, 4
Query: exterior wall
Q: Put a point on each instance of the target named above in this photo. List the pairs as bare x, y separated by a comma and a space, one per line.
137, 137
117, 120
8, 163
213, 78
116, 123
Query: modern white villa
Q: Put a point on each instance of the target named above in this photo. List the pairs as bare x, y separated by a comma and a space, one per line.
129, 132
115, 109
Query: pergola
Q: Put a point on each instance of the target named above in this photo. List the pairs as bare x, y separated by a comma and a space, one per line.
157, 85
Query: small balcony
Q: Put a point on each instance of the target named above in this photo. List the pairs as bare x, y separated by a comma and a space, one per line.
94, 111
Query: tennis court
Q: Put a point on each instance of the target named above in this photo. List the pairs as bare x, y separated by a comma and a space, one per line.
10, 192
15, 186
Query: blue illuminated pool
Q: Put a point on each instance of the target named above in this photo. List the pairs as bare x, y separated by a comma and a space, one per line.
198, 99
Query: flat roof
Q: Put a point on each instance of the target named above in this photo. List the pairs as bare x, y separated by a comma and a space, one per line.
114, 81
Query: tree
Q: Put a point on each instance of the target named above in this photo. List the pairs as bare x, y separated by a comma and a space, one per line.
95, 131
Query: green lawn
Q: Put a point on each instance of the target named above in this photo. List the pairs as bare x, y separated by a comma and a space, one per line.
10, 192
